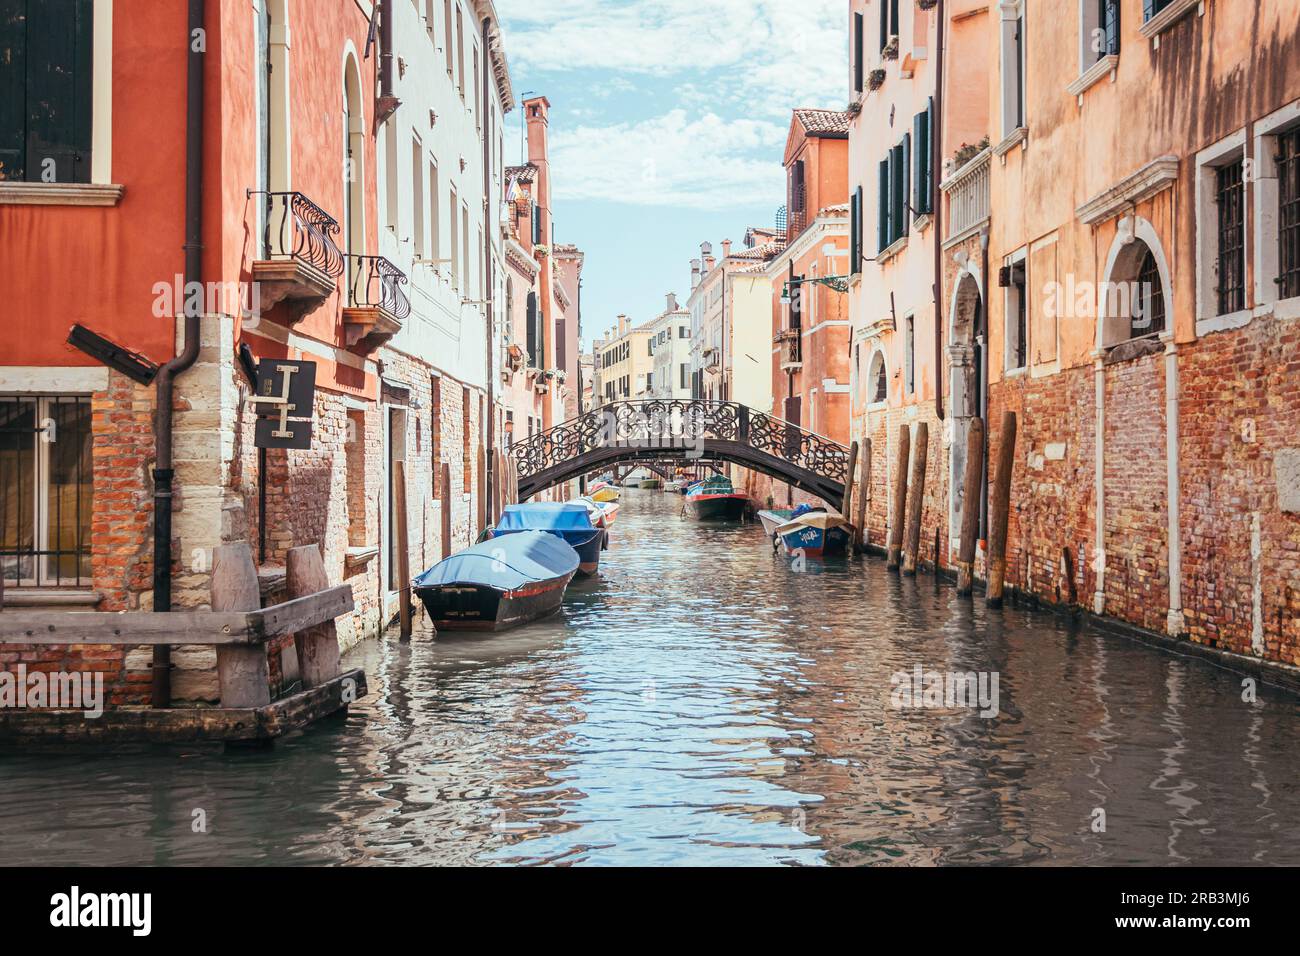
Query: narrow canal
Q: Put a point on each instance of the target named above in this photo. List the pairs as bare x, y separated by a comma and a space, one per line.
705, 703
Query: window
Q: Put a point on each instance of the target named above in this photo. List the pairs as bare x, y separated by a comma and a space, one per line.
46, 87
391, 201
464, 242
1149, 306
417, 197
478, 94
534, 332
1230, 200
455, 241
1017, 330
923, 183
435, 220
685, 370
1013, 67
878, 382
888, 21
1151, 7
460, 53
446, 39
855, 231
909, 355
1288, 213
45, 478
859, 27
894, 172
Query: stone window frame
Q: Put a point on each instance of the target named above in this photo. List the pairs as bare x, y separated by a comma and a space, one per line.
1263, 209
1021, 255
1012, 11
1094, 66
1133, 228
873, 403
1227, 150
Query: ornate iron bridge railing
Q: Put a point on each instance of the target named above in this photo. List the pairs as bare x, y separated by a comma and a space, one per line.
377, 283
681, 428
297, 228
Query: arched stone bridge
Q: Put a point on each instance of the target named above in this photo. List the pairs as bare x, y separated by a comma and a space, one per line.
682, 429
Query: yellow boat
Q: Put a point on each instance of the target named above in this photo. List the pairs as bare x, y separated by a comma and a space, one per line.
603, 491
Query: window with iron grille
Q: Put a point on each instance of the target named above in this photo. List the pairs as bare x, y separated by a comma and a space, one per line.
1230, 198
1150, 314
1288, 219
1151, 7
45, 491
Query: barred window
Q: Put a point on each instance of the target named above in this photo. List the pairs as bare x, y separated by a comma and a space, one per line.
1288, 219
1230, 198
1150, 316
45, 491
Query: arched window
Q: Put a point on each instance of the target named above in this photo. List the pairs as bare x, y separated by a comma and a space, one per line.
354, 144
877, 383
1149, 308
1134, 297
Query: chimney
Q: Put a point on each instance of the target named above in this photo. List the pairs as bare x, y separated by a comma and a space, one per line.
622, 325
709, 262
537, 112
695, 273
672, 302
726, 248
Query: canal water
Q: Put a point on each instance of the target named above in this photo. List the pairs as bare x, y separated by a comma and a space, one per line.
704, 702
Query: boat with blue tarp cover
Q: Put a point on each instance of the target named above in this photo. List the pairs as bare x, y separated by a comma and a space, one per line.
568, 520
499, 583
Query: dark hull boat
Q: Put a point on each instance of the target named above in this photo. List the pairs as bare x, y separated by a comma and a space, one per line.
570, 521
715, 500
498, 584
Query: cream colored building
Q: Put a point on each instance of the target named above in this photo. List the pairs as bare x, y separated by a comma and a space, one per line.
623, 363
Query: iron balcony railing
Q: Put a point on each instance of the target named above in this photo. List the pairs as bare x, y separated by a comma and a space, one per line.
377, 283
967, 191
297, 228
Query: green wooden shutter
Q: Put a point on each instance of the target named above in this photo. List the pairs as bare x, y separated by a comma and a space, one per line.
931, 151
13, 88
59, 37
855, 240
882, 207
884, 23
859, 26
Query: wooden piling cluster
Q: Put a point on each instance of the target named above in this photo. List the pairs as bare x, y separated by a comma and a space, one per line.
904, 540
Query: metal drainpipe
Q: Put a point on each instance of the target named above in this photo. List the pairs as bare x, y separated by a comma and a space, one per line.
935, 152
163, 472
489, 475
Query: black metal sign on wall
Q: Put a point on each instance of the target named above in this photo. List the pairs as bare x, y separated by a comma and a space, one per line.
286, 391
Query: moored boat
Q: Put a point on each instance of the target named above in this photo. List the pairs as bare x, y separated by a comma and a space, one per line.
652, 482
568, 520
603, 513
773, 518
816, 534
715, 499
498, 584
603, 491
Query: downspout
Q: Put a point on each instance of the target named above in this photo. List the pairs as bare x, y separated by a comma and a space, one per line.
164, 473
388, 102
936, 151
489, 475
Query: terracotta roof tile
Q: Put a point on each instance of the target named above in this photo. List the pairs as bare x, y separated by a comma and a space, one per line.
824, 122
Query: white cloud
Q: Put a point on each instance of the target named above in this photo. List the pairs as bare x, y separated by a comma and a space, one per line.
704, 162
765, 56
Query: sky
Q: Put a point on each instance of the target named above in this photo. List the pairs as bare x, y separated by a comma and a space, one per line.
668, 123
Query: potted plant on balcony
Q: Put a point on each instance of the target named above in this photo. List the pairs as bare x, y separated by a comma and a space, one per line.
890, 52
927, 4
875, 79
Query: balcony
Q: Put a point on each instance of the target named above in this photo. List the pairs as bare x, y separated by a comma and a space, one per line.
711, 360
967, 197
790, 342
377, 306
302, 260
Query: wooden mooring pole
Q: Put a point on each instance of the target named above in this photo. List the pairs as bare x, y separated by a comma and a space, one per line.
846, 506
444, 480
403, 548
900, 498
318, 646
1000, 510
970, 506
864, 496
242, 669
915, 499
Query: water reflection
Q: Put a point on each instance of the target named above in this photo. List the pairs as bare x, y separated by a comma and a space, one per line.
703, 703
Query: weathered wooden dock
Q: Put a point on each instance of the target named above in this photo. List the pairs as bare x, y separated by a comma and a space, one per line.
237, 627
